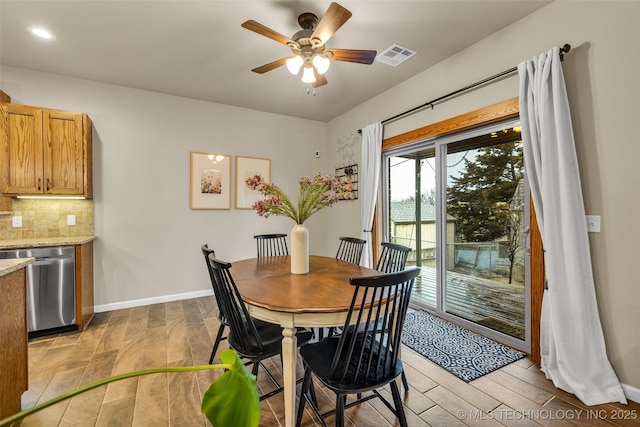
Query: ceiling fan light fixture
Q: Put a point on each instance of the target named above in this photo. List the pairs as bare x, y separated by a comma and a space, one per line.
294, 64
321, 63
307, 46
308, 75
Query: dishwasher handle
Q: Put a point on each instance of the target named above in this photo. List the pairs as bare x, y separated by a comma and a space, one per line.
40, 254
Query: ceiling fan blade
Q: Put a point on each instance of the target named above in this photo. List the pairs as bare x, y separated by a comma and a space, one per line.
267, 32
270, 66
330, 22
353, 55
321, 80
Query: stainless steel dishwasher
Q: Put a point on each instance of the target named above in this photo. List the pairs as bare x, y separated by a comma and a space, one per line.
51, 288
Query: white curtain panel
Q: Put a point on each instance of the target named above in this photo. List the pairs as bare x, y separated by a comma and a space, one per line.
572, 347
369, 181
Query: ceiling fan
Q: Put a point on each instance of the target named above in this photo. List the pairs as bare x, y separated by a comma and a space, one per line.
308, 45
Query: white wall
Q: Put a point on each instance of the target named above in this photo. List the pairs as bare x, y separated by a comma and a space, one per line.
148, 240
602, 83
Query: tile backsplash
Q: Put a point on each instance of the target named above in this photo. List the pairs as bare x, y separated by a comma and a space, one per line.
47, 218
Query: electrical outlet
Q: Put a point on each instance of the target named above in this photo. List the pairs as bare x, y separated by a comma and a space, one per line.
16, 221
593, 223
71, 220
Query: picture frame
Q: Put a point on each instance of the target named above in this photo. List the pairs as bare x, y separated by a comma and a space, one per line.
250, 168
210, 181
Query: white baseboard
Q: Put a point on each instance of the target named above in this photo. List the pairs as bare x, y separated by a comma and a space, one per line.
149, 301
631, 393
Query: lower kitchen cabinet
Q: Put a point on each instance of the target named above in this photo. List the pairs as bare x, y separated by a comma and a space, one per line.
14, 360
84, 284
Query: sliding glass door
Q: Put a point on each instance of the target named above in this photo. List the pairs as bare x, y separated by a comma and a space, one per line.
459, 202
412, 214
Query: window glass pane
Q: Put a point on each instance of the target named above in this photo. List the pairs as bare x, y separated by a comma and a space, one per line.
412, 221
485, 271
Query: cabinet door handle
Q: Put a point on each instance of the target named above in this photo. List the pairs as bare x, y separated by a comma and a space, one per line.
48, 184
39, 179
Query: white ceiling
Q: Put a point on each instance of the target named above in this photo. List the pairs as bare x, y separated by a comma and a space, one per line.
198, 49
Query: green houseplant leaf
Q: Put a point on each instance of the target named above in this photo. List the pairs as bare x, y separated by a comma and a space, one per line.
236, 388
233, 400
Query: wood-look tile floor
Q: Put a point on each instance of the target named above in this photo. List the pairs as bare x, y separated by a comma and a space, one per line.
181, 333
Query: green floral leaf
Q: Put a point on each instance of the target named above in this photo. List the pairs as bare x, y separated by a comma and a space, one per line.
233, 400
315, 193
242, 390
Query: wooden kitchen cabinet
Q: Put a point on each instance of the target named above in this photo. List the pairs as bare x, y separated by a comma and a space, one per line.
84, 284
45, 151
14, 362
5, 202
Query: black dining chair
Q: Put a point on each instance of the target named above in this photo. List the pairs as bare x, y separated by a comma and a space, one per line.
206, 251
366, 357
350, 249
393, 257
260, 325
271, 245
252, 340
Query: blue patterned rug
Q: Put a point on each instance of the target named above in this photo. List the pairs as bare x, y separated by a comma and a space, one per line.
463, 353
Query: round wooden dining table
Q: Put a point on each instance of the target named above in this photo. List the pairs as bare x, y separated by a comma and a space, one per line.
320, 298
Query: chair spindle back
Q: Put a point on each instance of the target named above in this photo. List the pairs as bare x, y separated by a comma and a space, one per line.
368, 352
244, 337
350, 249
392, 258
271, 245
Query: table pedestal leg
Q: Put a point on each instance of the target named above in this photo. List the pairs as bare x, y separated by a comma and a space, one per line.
289, 353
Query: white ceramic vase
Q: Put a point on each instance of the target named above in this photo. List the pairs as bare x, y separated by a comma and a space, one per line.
299, 249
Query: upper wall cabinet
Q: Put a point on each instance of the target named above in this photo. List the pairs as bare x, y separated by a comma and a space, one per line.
45, 151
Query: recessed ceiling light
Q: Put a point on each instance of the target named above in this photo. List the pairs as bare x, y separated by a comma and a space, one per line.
42, 33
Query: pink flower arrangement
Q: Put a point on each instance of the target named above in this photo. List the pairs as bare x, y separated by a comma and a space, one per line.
316, 193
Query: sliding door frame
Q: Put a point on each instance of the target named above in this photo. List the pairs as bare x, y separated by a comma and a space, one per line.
499, 112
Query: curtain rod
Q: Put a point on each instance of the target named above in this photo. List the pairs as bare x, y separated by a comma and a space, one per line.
564, 49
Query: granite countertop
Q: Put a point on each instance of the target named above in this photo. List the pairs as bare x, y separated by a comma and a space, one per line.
10, 265
42, 242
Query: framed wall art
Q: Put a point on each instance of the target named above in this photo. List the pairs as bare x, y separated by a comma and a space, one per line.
249, 172
210, 185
